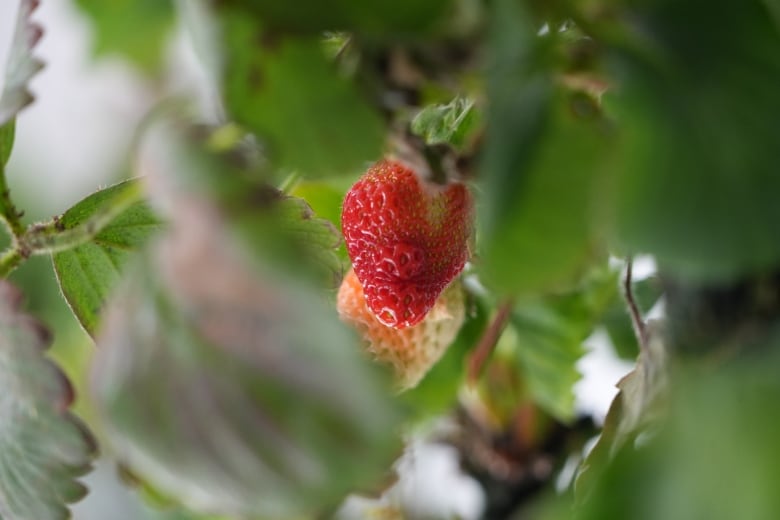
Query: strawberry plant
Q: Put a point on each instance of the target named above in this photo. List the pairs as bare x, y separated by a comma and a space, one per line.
375, 226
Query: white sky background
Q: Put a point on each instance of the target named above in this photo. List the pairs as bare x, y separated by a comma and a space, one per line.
74, 139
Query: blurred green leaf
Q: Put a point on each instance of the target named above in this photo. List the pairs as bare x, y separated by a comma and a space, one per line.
291, 229
638, 408
550, 333
288, 93
275, 227
136, 29
698, 110
43, 448
774, 9
396, 18
453, 123
7, 132
88, 273
233, 388
21, 65
543, 159
715, 457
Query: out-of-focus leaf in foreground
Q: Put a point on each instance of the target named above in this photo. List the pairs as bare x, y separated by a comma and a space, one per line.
698, 108
224, 378
89, 272
21, 65
714, 457
544, 156
287, 92
379, 17
273, 227
137, 29
43, 447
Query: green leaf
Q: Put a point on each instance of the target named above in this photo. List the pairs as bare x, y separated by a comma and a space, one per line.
233, 387
88, 273
137, 29
21, 65
698, 111
292, 229
549, 336
275, 227
395, 18
43, 448
714, 455
288, 93
7, 132
543, 163
324, 198
453, 123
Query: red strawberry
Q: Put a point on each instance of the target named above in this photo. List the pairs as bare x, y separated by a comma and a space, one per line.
413, 350
408, 239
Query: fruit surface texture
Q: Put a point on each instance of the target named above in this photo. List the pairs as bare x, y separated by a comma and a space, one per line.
407, 239
411, 351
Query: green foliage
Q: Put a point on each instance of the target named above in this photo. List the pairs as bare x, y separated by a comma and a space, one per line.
44, 448
698, 109
136, 29
261, 401
286, 91
453, 123
715, 459
21, 65
542, 166
88, 273
275, 227
548, 336
224, 377
380, 17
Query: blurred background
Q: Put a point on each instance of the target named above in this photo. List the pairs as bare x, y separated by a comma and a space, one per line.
86, 112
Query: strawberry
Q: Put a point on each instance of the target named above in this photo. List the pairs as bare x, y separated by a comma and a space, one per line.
408, 239
411, 351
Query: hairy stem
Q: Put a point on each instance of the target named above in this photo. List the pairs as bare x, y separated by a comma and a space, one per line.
9, 215
10, 260
52, 236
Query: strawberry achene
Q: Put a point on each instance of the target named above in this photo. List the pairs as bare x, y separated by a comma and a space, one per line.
411, 351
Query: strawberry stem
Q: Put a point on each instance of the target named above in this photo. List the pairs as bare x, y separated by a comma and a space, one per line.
487, 344
638, 323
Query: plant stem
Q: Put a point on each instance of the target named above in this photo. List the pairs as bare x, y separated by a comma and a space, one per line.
52, 236
487, 343
10, 260
8, 212
640, 329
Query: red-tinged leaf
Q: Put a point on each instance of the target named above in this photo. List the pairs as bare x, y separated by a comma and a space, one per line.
21, 65
43, 447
